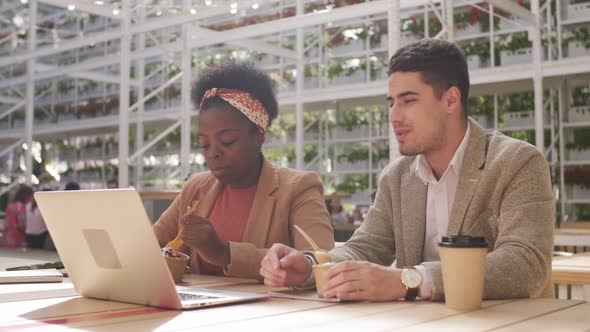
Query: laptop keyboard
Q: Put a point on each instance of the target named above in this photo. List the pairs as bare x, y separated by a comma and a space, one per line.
195, 297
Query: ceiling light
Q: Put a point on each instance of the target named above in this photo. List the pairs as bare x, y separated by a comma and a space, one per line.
99, 3
234, 5
255, 5
193, 11
208, 2
116, 11
18, 20
24, 2
71, 7
159, 13
233, 11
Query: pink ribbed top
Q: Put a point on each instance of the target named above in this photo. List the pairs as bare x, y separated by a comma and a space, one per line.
229, 217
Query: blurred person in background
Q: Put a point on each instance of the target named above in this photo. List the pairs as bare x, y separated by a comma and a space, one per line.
72, 186
16, 218
339, 215
112, 184
36, 230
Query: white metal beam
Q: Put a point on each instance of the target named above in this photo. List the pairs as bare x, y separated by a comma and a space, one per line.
124, 94
139, 125
30, 91
450, 20
115, 33
94, 63
9, 100
87, 75
185, 95
85, 6
513, 8
18, 106
394, 35
155, 140
300, 66
84, 126
294, 22
155, 91
9, 148
248, 44
538, 77
12, 109
88, 39
290, 23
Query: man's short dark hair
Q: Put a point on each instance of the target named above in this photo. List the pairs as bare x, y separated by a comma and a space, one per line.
238, 76
441, 63
23, 193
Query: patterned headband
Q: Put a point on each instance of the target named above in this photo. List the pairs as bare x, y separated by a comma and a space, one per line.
244, 102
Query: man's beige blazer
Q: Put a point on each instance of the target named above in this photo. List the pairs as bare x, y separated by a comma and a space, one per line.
504, 194
284, 197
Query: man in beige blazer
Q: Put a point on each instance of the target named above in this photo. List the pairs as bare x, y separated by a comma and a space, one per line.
454, 178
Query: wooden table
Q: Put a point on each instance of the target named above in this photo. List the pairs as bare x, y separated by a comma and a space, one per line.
574, 271
49, 307
60, 313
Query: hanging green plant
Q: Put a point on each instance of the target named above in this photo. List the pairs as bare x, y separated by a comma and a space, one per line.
580, 34
519, 102
352, 118
481, 105
476, 47
581, 140
354, 152
335, 68
310, 152
579, 175
514, 41
353, 183
581, 96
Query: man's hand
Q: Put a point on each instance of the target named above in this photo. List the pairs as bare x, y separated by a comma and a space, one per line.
364, 281
199, 234
284, 266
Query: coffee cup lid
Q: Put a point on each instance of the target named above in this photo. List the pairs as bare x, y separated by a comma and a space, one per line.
463, 241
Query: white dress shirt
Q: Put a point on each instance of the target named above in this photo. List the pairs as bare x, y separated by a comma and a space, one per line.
439, 201
35, 223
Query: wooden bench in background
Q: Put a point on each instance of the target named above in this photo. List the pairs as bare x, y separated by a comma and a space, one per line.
571, 273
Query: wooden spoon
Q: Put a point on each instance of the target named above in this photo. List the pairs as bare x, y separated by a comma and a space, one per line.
177, 242
321, 255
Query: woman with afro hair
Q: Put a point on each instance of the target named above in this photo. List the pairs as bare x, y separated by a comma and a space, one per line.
245, 204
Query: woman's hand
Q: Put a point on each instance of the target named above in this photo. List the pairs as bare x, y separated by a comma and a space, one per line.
199, 234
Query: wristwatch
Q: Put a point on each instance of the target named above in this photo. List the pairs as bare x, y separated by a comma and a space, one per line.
412, 279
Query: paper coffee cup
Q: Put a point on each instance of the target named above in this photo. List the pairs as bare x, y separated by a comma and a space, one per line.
463, 261
177, 265
320, 276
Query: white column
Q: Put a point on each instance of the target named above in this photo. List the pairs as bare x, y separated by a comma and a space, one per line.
124, 95
450, 20
185, 92
562, 94
30, 91
299, 129
140, 77
492, 44
558, 27
538, 77
394, 42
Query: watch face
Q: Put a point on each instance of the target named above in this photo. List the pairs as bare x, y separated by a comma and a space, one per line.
411, 278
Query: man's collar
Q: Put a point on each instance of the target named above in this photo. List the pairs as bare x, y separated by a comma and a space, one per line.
424, 170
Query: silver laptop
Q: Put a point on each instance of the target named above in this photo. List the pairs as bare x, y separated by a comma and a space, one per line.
110, 251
